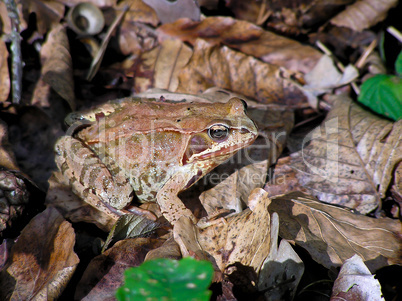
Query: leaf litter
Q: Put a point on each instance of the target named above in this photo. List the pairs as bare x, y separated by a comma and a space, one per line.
240, 222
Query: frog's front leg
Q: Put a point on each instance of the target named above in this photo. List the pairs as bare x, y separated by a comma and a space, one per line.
171, 206
90, 179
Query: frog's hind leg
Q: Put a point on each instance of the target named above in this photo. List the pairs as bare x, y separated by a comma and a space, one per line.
90, 179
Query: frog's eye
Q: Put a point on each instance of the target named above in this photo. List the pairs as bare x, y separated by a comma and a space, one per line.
218, 132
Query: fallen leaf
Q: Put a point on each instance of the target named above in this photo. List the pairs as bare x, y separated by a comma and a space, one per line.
105, 273
242, 238
7, 157
233, 192
363, 14
160, 67
4, 75
332, 235
282, 269
131, 226
350, 158
228, 69
169, 249
316, 84
57, 69
170, 11
246, 38
134, 36
48, 13
42, 261
355, 283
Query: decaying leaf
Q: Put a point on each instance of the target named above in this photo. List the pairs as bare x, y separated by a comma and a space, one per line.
41, 261
282, 269
316, 84
7, 157
4, 76
355, 283
160, 67
48, 13
57, 69
104, 273
246, 38
243, 237
363, 14
131, 226
170, 11
233, 192
350, 158
332, 235
228, 69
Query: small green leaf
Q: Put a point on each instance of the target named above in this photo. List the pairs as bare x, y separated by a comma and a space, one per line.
398, 64
383, 94
169, 280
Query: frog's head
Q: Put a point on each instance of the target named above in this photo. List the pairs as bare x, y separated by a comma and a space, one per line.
229, 130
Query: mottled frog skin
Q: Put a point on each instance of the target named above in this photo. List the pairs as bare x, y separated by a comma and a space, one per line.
152, 148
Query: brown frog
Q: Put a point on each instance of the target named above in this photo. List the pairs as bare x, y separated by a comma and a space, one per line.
152, 148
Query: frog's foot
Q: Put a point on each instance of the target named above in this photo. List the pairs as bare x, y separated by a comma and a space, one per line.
140, 211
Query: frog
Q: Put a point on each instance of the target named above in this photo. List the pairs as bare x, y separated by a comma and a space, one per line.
149, 150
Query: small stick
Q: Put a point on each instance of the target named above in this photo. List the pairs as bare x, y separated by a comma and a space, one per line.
16, 57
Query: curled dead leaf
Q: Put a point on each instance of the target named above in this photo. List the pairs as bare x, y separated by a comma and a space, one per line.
105, 272
42, 261
228, 69
247, 38
350, 158
332, 235
243, 237
57, 70
363, 14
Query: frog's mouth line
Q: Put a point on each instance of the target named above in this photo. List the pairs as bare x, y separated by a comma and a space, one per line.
224, 152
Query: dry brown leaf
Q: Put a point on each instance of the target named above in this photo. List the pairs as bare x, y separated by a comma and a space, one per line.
247, 38
282, 269
356, 283
4, 75
233, 192
159, 67
7, 157
57, 69
243, 237
350, 158
169, 249
228, 69
99, 3
332, 234
105, 272
48, 13
363, 14
170, 11
41, 261
133, 35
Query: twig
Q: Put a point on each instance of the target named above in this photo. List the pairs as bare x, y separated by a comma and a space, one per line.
93, 69
362, 59
15, 48
396, 33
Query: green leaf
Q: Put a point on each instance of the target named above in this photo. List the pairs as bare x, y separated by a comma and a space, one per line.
398, 64
168, 279
383, 94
